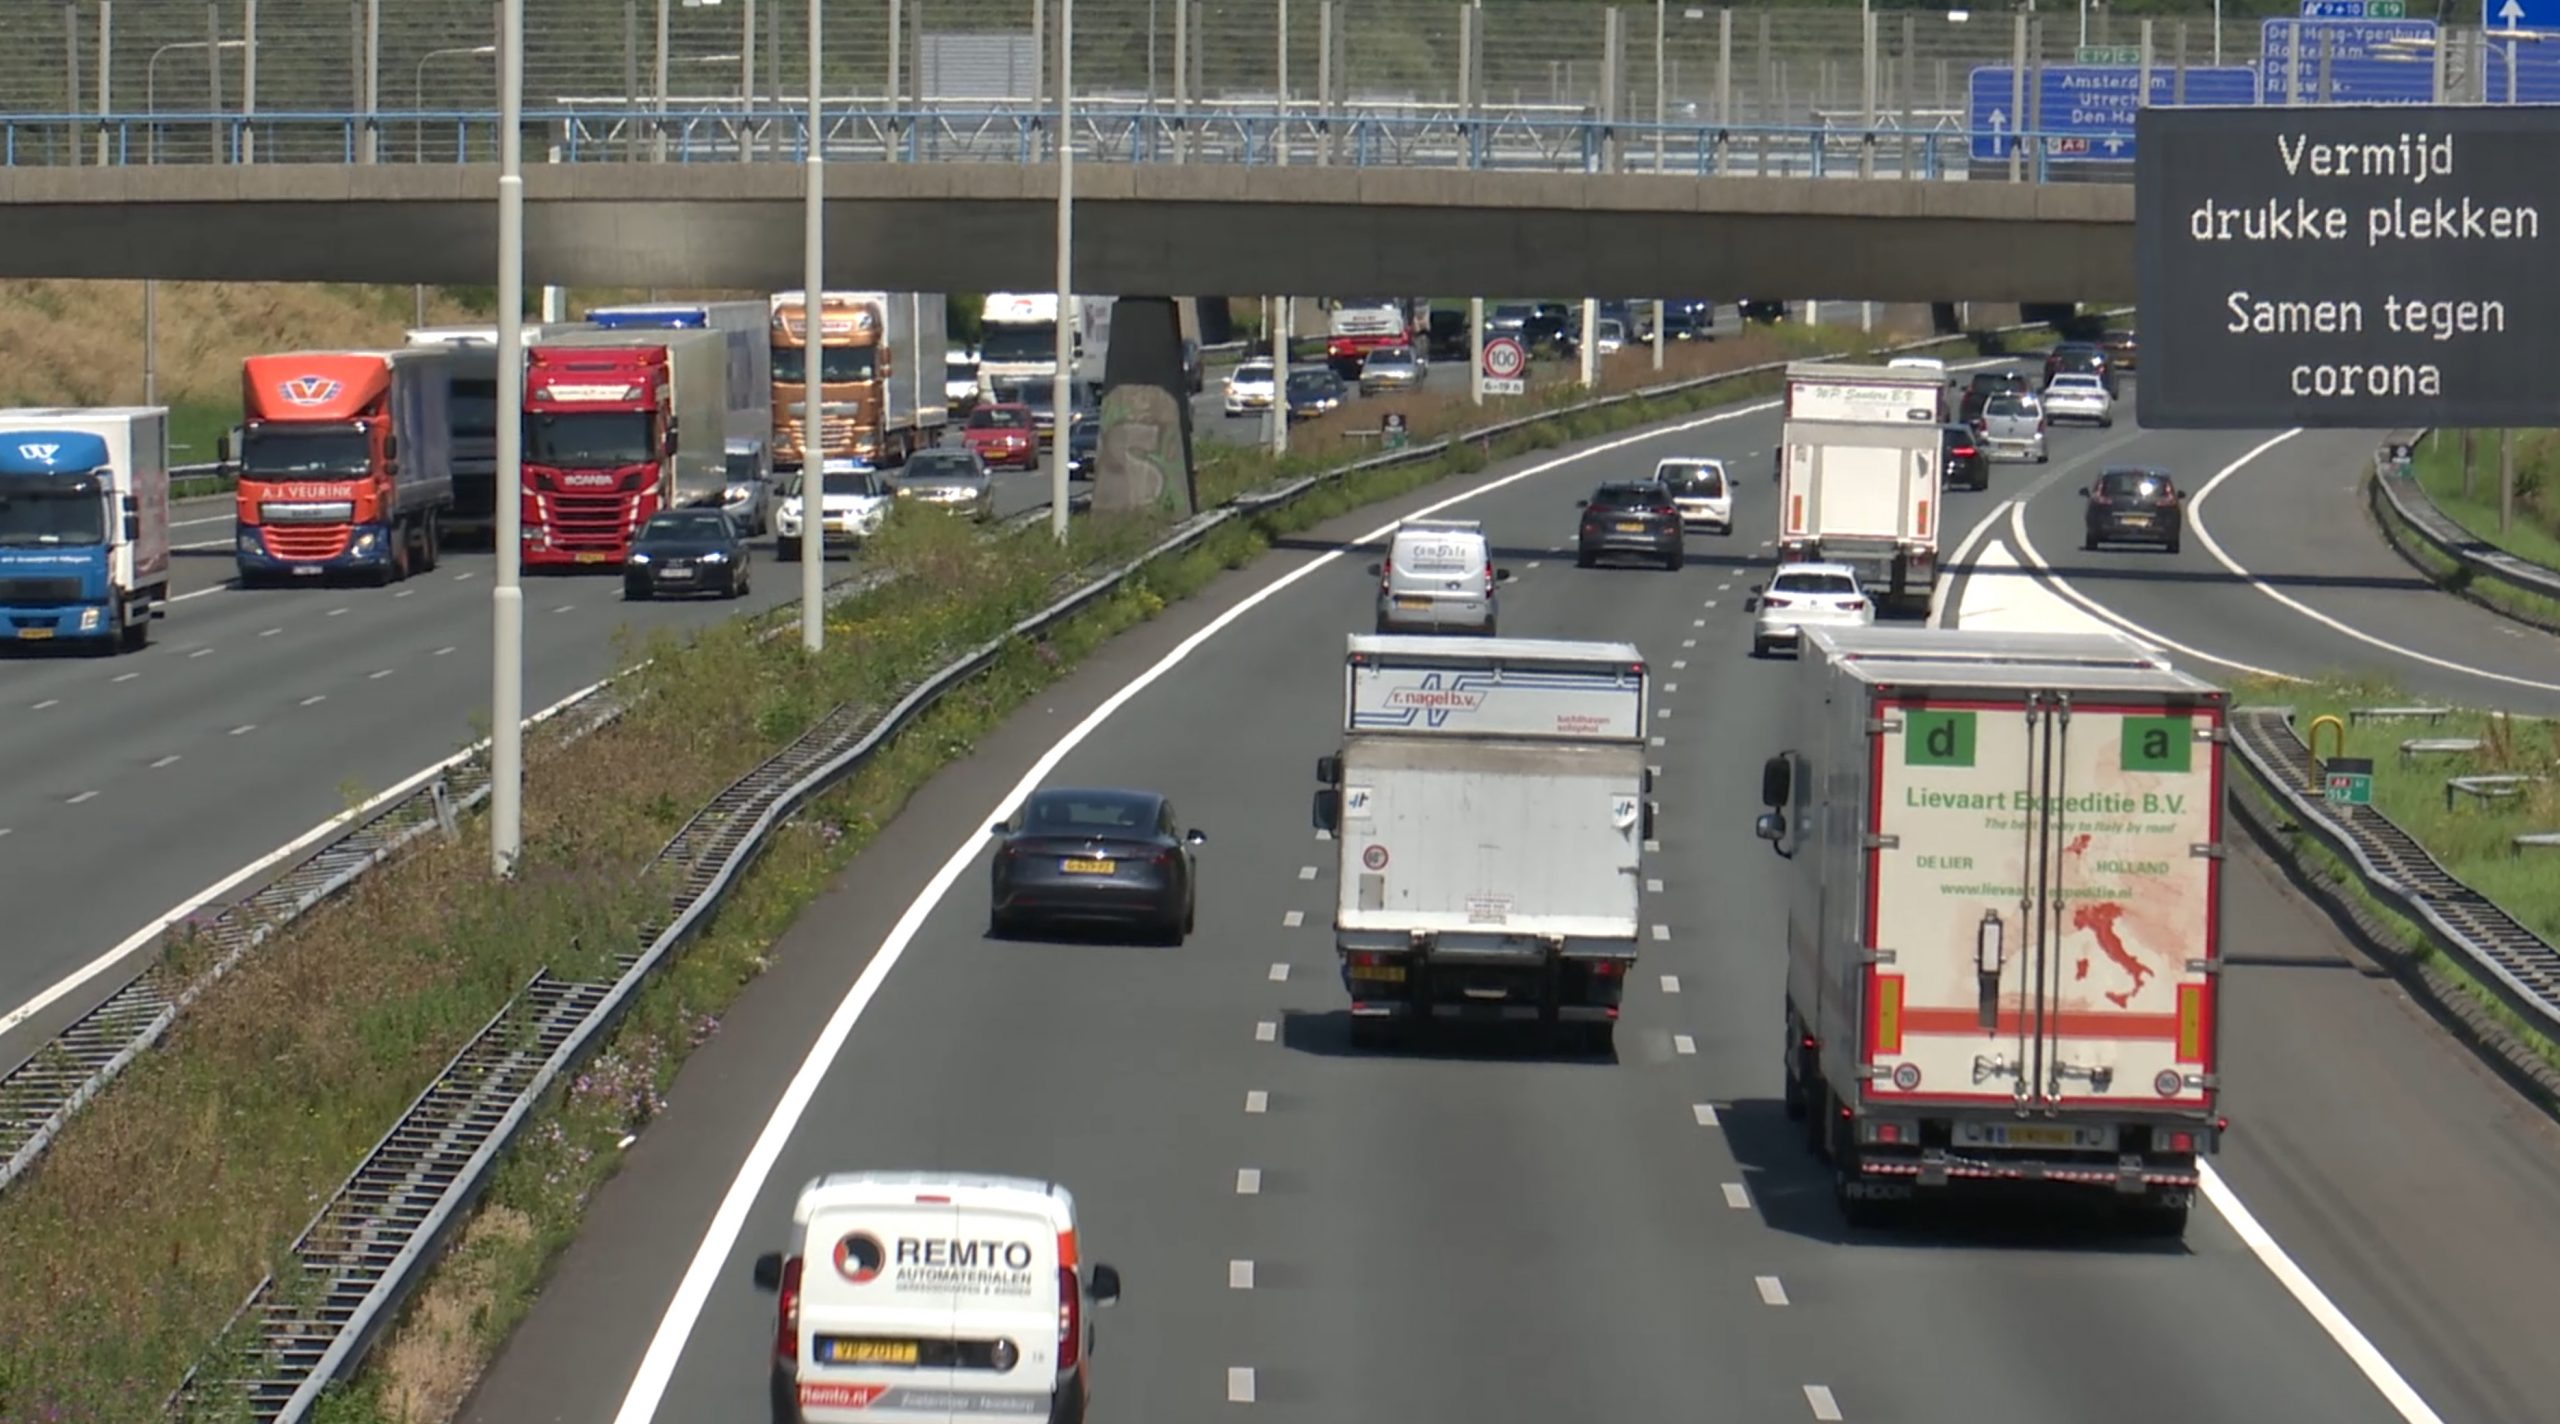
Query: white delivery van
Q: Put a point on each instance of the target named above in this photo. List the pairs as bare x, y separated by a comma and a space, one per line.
1438, 576
907, 1297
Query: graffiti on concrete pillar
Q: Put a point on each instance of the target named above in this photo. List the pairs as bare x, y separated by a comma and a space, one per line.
1138, 461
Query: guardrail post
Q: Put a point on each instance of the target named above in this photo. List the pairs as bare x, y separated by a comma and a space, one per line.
446, 822
2506, 480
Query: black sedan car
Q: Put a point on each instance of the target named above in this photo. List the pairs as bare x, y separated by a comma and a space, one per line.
1315, 391
2130, 505
1967, 467
1085, 856
1631, 520
1084, 446
686, 551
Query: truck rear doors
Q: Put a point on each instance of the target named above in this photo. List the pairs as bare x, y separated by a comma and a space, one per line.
1849, 481
2042, 901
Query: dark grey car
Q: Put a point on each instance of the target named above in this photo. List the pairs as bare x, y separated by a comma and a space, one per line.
1631, 521
684, 551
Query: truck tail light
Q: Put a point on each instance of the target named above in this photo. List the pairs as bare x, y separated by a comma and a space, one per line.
2181, 1141
786, 1329
1070, 1320
1608, 969
1964, 452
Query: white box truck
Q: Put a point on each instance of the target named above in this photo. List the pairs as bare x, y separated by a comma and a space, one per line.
84, 523
1490, 805
2004, 872
1018, 338
1861, 467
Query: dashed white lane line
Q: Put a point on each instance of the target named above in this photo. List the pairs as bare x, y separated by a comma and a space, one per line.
1671, 983
1533, 563
1293, 919
4, 830
201, 653
1266, 1032
1670, 687
1697, 622
315, 699
124, 677
440, 652
1772, 1291
1653, 847
169, 760
1824, 1406
1257, 1101
1720, 588
83, 796
404, 593
337, 612
1735, 1197
1248, 1181
1279, 973
1657, 741
269, 632
1662, 712
563, 608
1679, 663
1688, 642
1683, 1045
1653, 887
378, 675
1239, 1275
457, 578
1711, 603
1703, 1113
1306, 872
1324, 835
48, 702
1662, 931
244, 729
1240, 1384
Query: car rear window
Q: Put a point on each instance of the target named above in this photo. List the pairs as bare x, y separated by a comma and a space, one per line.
2132, 484
1106, 811
1624, 497
2002, 406
1437, 551
1813, 583
1695, 481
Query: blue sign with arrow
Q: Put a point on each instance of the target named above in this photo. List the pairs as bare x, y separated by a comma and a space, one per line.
2370, 61
2084, 113
2534, 53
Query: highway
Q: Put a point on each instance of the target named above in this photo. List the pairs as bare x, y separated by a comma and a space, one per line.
145, 778
1475, 1234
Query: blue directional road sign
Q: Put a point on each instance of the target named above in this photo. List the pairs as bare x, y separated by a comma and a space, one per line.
2084, 112
2536, 60
2364, 65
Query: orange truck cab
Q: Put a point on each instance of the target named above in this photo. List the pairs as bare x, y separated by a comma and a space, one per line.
345, 464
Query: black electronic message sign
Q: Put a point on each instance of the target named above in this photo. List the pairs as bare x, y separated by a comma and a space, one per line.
2360, 267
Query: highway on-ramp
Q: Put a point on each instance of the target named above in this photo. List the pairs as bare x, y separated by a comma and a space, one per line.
137, 781
1345, 1237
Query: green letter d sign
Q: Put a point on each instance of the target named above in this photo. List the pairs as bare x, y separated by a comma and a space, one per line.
1932, 738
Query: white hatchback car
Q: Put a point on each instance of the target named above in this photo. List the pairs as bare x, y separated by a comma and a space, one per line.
2077, 395
1702, 491
1249, 388
1799, 596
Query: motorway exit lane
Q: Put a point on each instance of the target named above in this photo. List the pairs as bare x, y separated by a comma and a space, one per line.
1411, 1222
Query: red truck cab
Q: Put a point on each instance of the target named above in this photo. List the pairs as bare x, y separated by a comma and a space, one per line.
1360, 327
595, 450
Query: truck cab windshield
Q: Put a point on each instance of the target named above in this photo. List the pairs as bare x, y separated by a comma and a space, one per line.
1019, 343
839, 365
574, 440
33, 515
332, 452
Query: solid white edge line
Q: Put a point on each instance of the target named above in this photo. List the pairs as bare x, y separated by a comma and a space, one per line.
666, 1346
1954, 568
2213, 546
149, 934
2031, 559
2378, 1371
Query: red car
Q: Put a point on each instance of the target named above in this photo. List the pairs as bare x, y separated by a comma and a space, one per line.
1003, 436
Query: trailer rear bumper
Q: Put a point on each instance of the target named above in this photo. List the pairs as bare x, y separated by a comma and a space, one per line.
1941, 1171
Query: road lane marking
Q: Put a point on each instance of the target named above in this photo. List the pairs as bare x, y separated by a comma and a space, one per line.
83, 796
2035, 560
1657, 741
1653, 887
457, 578
1697, 622
1688, 642
710, 1263
440, 652
221, 587
244, 729
1653, 847
1683, 1045
1825, 1408
1670, 687
337, 612
1671, 983
1704, 1113
563, 608
378, 676
1678, 663
1266, 1032
1306, 872
315, 699
1239, 1275
169, 760
1279, 973
201, 653
1239, 1384
124, 677
1662, 931
1248, 1181
1735, 1197
1771, 1291
1257, 1101
1711, 603
1293, 919
48, 702
1324, 835
269, 632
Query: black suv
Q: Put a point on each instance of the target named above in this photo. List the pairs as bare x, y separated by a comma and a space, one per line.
1987, 384
1449, 340
1966, 466
2134, 505
2080, 358
1638, 520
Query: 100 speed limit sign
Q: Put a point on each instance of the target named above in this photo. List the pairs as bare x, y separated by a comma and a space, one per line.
1505, 364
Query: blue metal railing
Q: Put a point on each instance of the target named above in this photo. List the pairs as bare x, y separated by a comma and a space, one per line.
1103, 132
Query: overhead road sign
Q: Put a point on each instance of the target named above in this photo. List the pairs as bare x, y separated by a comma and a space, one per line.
2524, 35
2371, 61
2085, 112
1506, 367
2358, 268
2109, 54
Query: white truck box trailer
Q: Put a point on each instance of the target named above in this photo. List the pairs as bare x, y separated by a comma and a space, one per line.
1869, 495
2004, 866
1490, 806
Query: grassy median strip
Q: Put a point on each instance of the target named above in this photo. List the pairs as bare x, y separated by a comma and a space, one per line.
2471, 836
168, 1199
2438, 466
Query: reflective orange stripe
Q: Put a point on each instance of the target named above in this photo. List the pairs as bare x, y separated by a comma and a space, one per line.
2194, 1014
1888, 1013
1067, 1250
1795, 514
1924, 518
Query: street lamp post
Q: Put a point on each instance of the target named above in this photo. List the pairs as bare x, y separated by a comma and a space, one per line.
813, 356
151, 79
506, 599
418, 85
1061, 402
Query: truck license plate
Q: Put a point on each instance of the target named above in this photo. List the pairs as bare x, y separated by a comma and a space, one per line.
591, 558
2024, 1134
1379, 973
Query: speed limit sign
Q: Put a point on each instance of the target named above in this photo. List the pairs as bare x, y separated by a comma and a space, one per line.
1506, 363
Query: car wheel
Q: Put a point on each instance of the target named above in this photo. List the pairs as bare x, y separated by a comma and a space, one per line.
1582, 559
2088, 543
2106, 422
634, 591
786, 548
1759, 647
1673, 561
2174, 542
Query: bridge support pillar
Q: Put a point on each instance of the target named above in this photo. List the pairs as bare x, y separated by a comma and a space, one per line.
1142, 455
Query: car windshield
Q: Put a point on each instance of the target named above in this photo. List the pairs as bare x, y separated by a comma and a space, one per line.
687, 525
839, 365
1310, 383
1813, 583
587, 439
939, 466
272, 453
1696, 481
1509, 316
474, 409
1994, 380
2133, 484
1019, 343
2009, 408
1086, 811
1391, 356
998, 420
52, 512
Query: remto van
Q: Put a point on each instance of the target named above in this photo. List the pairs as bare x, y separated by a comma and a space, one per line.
1438, 577
908, 1297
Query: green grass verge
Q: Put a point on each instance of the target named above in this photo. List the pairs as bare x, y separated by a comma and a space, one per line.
2459, 579
209, 1155
2534, 534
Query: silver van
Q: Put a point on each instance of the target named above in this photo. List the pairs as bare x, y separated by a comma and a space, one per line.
1438, 577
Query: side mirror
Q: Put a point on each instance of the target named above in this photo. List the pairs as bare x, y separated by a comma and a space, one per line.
222, 449
1195, 836
769, 1271
1582, 504
1329, 770
1777, 781
1377, 570
1502, 575
1328, 810
2083, 492
1770, 826
132, 528
1104, 1288
997, 829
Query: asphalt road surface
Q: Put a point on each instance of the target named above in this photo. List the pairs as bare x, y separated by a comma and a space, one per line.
1477, 1234
137, 781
